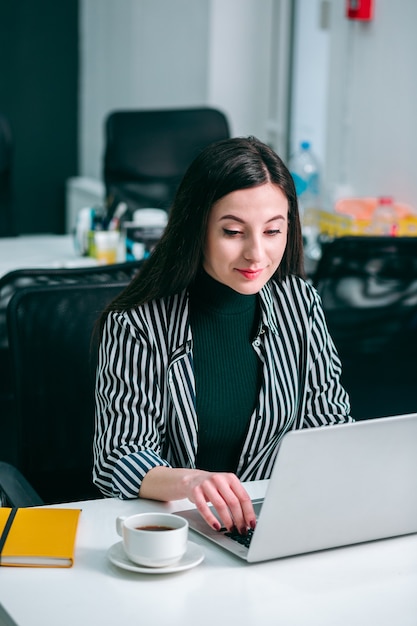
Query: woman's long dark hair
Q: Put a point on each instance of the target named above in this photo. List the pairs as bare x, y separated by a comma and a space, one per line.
223, 167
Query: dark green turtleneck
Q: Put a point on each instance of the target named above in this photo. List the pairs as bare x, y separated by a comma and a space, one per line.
227, 370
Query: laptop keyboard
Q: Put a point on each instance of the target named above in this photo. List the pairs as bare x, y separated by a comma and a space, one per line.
244, 540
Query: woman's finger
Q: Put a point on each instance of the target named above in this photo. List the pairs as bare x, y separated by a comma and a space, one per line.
200, 498
237, 500
227, 495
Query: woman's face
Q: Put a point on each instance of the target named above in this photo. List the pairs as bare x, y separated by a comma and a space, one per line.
246, 237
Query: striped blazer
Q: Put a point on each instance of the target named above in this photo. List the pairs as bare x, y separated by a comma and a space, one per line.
145, 387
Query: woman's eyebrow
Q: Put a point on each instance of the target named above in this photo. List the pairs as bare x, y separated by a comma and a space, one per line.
235, 218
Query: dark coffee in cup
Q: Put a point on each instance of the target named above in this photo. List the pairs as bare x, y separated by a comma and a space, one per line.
154, 528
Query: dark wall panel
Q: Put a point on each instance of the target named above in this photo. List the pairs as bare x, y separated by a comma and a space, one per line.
39, 94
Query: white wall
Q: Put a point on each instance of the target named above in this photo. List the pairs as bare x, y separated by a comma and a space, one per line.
239, 62
310, 76
355, 95
372, 101
166, 53
137, 54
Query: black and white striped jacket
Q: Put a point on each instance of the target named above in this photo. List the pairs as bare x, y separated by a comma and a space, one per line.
145, 388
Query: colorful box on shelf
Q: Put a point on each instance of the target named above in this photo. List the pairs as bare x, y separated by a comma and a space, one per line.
353, 216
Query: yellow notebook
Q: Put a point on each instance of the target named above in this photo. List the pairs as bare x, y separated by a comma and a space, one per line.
38, 537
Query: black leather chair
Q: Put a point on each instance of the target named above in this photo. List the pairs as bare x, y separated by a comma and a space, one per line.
13, 281
148, 151
41, 277
368, 287
53, 359
15, 490
6, 216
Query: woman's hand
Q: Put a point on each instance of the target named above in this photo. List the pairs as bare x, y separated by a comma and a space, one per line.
226, 494
224, 490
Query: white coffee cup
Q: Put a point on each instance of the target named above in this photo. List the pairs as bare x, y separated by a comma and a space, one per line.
153, 539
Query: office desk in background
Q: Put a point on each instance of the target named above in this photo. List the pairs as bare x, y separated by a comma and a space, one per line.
372, 583
28, 251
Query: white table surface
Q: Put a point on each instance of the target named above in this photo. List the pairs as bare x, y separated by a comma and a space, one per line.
369, 584
29, 251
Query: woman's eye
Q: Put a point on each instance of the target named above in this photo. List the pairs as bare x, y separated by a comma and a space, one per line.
231, 233
228, 232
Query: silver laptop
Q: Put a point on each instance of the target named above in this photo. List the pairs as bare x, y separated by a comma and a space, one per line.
330, 487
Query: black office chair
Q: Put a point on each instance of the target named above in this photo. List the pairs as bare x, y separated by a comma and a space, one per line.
41, 277
148, 151
53, 363
15, 490
13, 281
6, 217
368, 287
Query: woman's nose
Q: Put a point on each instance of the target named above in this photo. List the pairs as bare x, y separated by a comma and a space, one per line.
253, 249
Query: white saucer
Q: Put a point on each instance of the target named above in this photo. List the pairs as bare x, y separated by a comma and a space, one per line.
193, 556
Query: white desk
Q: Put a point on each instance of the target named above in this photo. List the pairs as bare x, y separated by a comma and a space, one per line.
373, 583
29, 251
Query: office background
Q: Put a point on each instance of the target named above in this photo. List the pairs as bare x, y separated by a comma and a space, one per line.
346, 86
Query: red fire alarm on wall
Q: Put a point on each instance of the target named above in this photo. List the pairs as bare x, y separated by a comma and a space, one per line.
359, 9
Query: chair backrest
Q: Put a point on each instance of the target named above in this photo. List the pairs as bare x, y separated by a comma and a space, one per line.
42, 277
53, 362
15, 490
148, 151
368, 287
13, 282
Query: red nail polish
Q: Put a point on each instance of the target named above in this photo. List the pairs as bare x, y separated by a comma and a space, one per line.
252, 524
216, 526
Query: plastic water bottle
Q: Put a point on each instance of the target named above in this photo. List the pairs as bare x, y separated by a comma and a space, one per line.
305, 170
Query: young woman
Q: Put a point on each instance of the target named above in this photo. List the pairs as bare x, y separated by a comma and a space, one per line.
218, 347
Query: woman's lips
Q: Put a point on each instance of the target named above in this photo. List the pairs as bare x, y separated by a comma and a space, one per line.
250, 274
